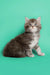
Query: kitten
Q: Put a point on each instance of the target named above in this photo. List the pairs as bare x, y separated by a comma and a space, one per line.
22, 45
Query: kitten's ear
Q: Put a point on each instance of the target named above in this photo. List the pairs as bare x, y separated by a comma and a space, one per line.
39, 19
26, 20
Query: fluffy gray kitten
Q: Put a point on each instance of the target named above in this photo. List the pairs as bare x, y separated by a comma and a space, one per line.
22, 45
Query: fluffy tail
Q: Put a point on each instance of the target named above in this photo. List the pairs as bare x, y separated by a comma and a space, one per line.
7, 53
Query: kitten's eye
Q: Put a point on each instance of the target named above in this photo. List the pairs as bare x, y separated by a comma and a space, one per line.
29, 24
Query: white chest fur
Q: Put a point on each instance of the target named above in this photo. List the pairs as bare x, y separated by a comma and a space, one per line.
34, 42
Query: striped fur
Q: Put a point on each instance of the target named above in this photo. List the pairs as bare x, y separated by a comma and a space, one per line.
22, 45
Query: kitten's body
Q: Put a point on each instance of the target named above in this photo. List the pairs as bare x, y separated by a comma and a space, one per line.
23, 44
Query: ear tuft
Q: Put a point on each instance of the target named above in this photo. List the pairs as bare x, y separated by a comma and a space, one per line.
26, 20
39, 19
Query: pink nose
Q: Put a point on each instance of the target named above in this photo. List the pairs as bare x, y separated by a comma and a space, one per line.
32, 26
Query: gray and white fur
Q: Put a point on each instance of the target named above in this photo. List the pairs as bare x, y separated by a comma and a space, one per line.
22, 45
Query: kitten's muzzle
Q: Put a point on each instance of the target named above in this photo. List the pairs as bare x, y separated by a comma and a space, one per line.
32, 26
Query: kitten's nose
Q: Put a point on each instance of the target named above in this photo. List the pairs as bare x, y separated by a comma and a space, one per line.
32, 26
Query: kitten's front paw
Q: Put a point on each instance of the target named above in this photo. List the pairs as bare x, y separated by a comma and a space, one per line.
41, 54
31, 55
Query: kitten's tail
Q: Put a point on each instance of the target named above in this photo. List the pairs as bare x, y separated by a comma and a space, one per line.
6, 53
15, 56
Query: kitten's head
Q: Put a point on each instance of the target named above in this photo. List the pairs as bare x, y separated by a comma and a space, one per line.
32, 25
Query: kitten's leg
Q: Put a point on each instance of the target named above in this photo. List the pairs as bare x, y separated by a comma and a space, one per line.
38, 50
29, 53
